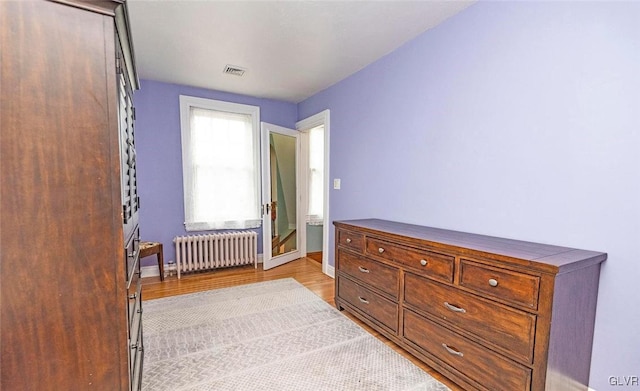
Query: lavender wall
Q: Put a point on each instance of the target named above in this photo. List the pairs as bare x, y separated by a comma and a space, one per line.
515, 119
159, 155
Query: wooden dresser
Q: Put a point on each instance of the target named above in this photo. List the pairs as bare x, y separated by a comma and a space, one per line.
70, 286
490, 314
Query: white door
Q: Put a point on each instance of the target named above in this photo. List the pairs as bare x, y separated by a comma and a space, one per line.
280, 195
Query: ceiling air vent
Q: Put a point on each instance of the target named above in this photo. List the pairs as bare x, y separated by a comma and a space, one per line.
234, 70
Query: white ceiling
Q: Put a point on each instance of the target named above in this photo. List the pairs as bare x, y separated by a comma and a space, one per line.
291, 49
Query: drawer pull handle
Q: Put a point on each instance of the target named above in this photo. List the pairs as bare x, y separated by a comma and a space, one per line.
363, 300
362, 269
493, 282
380, 250
454, 308
134, 346
452, 351
132, 297
132, 255
423, 262
348, 240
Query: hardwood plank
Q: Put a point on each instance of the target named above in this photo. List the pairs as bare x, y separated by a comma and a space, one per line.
304, 270
316, 256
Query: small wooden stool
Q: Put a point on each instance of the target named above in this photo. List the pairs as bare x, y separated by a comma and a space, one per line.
150, 248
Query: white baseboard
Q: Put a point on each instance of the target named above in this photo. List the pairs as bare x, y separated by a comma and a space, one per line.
154, 270
149, 271
330, 271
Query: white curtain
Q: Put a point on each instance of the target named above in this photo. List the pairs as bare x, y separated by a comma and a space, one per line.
223, 179
316, 176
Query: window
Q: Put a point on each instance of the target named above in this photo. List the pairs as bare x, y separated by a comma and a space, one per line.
220, 164
316, 175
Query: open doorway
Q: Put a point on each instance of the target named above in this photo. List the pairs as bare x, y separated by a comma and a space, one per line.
315, 187
281, 188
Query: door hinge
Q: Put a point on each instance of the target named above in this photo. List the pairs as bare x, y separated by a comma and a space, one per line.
133, 113
124, 214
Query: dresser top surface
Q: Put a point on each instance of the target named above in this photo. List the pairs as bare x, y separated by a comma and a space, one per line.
549, 257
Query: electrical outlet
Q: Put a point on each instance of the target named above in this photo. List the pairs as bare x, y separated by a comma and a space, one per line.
336, 183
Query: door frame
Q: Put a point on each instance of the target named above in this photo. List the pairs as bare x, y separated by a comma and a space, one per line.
268, 261
321, 118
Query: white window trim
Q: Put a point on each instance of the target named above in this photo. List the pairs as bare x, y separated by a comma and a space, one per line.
186, 102
322, 118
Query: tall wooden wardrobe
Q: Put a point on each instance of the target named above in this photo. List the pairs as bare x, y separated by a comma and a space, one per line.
70, 292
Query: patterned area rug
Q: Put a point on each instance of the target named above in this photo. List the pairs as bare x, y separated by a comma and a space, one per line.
274, 335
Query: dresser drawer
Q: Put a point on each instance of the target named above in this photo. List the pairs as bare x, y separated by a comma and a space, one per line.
136, 379
489, 369
135, 323
352, 240
375, 306
132, 256
135, 359
370, 272
136, 350
435, 265
508, 328
134, 301
518, 288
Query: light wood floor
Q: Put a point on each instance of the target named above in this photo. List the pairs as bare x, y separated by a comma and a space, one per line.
305, 270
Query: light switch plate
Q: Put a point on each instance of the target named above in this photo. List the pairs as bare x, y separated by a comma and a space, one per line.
336, 183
